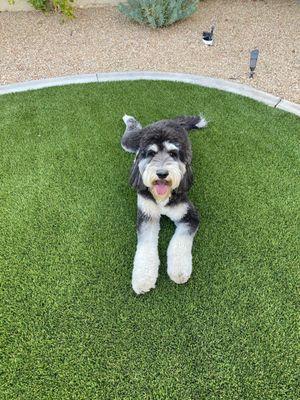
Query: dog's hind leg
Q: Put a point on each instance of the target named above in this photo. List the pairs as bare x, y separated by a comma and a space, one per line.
131, 138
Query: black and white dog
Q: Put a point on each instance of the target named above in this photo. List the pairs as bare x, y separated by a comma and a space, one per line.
162, 176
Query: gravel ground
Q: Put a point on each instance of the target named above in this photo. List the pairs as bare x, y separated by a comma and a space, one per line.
35, 46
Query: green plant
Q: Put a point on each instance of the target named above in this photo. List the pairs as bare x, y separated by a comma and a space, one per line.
63, 6
158, 13
43, 5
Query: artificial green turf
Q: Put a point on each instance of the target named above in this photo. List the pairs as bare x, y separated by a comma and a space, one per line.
71, 327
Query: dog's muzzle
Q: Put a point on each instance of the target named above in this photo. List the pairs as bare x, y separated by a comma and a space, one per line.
161, 187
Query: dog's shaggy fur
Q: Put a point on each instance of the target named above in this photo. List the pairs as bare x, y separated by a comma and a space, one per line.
162, 176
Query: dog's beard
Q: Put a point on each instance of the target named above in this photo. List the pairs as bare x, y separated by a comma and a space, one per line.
161, 189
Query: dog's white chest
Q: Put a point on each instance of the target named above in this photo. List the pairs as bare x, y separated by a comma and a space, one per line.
154, 210
175, 213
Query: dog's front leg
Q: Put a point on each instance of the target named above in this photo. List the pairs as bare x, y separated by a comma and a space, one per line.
180, 247
146, 260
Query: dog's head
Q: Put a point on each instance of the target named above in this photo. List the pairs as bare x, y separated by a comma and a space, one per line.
163, 161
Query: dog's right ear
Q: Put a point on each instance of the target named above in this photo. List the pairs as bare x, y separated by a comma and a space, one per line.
136, 180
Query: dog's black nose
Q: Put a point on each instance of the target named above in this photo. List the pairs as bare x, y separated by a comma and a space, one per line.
162, 174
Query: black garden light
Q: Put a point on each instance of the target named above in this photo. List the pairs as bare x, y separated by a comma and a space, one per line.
253, 61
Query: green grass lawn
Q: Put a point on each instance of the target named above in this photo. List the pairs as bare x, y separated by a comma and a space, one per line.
71, 326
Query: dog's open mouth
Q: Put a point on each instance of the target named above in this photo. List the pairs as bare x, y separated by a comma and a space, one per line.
161, 187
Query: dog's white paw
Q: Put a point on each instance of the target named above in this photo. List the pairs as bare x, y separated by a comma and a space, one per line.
180, 271
179, 277
142, 284
179, 265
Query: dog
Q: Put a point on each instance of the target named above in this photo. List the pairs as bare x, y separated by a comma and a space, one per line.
162, 176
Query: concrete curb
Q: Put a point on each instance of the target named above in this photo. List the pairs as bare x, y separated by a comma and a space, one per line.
205, 81
289, 106
44, 83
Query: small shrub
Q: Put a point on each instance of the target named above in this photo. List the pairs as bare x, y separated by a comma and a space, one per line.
63, 6
158, 13
42, 5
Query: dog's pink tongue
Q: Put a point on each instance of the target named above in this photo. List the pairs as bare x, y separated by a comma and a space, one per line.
161, 188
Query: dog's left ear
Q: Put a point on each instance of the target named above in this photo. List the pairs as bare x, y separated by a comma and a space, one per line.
136, 180
187, 180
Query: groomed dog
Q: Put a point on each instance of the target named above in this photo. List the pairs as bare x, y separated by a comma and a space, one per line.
162, 175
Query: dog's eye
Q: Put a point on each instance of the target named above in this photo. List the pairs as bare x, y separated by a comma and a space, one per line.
173, 153
151, 153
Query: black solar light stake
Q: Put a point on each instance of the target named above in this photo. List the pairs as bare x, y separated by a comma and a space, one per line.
207, 37
253, 61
